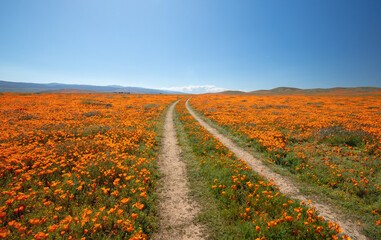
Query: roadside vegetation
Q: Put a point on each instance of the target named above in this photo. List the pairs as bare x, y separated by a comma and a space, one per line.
332, 145
79, 166
238, 203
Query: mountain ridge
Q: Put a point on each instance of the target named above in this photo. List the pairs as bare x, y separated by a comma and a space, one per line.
312, 91
8, 86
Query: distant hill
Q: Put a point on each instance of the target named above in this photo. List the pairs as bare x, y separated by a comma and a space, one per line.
230, 92
6, 86
71, 91
314, 91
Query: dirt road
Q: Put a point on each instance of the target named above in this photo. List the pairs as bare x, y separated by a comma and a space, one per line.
176, 209
286, 185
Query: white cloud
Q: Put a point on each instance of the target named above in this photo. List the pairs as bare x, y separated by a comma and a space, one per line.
196, 89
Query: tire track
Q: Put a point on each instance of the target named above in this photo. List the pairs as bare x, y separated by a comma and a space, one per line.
286, 186
176, 209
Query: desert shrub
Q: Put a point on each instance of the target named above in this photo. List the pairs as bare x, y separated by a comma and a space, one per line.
27, 117
92, 113
91, 102
149, 106
95, 129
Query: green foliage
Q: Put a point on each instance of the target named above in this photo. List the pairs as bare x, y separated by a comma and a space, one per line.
338, 136
92, 113
96, 103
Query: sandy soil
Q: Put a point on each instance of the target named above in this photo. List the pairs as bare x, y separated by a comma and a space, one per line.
176, 209
286, 185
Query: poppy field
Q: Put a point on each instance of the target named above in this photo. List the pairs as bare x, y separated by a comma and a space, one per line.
79, 166
84, 166
330, 144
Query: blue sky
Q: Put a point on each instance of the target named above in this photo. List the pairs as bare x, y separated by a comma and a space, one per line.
192, 45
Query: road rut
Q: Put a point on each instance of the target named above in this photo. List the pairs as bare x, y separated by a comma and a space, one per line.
177, 211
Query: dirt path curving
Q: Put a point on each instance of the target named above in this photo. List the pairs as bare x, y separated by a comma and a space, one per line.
176, 209
286, 186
